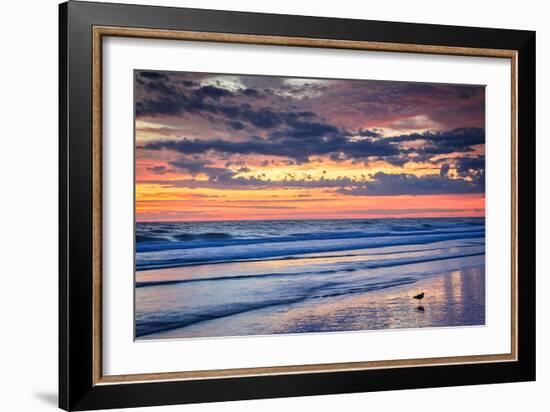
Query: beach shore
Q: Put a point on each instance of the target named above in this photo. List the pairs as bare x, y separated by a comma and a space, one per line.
455, 298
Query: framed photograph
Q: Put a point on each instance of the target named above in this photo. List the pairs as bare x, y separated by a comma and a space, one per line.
257, 205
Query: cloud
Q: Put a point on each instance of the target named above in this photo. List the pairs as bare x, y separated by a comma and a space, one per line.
470, 166
165, 99
365, 100
176, 95
304, 129
444, 142
380, 184
387, 184
206, 116
190, 165
156, 85
164, 131
160, 170
467, 92
251, 92
213, 92
189, 83
235, 124
443, 170
369, 133
200, 166
262, 118
251, 182
152, 75
413, 123
161, 107
283, 146
305, 139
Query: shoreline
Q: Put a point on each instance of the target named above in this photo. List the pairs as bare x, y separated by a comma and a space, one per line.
452, 299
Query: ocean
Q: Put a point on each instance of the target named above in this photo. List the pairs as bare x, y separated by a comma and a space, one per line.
239, 278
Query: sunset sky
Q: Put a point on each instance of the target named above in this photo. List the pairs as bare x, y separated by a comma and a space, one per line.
232, 147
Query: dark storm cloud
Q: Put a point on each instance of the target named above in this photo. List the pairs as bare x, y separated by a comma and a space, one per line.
444, 169
380, 184
369, 133
252, 182
461, 139
298, 149
152, 75
189, 83
158, 87
168, 100
409, 184
213, 92
397, 160
470, 166
300, 129
235, 125
449, 105
164, 106
159, 170
466, 92
262, 118
191, 165
300, 140
166, 97
251, 92
200, 166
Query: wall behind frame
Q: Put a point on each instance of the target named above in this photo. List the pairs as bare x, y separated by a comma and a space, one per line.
28, 210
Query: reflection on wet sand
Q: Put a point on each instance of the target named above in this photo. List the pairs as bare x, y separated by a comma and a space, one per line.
454, 298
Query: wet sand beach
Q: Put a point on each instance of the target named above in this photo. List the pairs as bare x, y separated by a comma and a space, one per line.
454, 298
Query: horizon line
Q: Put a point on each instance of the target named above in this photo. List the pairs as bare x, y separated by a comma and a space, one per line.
301, 219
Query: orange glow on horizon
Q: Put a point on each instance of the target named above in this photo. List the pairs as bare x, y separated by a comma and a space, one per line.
160, 203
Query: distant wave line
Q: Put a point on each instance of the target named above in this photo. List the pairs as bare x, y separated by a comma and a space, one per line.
189, 241
263, 254
365, 265
314, 256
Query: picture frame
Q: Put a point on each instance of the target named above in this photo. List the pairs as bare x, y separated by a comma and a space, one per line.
83, 27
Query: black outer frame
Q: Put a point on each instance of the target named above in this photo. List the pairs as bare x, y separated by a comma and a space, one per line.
76, 388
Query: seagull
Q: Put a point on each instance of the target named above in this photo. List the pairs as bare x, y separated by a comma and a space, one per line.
420, 296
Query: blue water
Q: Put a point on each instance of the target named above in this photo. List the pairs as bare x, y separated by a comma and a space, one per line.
162, 245
190, 276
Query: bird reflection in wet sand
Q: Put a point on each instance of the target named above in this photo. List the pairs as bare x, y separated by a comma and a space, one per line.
420, 296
